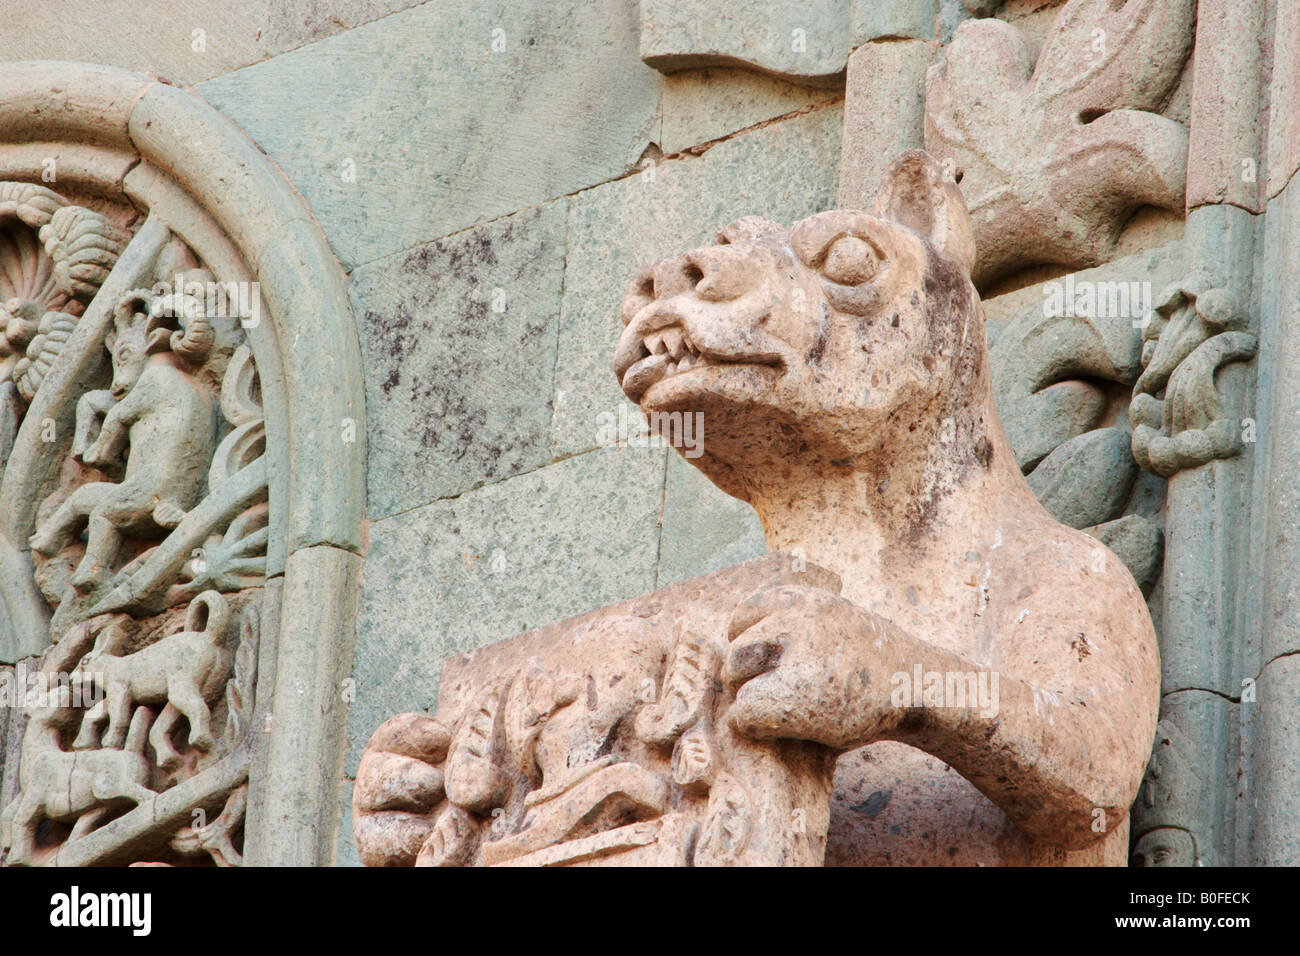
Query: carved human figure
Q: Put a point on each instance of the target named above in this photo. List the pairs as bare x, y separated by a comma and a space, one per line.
159, 411
842, 370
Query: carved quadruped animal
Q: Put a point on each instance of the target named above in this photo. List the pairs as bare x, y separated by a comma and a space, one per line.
158, 411
842, 370
78, 787
987, 677
183, 671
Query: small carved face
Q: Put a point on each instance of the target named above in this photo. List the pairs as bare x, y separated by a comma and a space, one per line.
1165, 846
816, 337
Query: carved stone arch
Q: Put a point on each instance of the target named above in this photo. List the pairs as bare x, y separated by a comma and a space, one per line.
160, 174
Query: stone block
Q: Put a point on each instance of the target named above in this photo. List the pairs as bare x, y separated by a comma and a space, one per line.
449, 114
455, 575
291, 25
183, 45
703, 105
798, 39
704, 529
459, 341
886, 90
784, 171
1276, 841
897, 19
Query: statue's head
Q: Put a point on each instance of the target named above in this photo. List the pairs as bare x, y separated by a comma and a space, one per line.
821, 343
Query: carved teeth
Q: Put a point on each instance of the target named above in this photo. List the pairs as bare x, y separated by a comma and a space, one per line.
654, 343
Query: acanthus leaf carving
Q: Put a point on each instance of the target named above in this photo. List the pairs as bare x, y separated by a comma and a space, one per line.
1178, 414
1054, 156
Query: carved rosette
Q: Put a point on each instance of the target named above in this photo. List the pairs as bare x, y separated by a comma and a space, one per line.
150, 545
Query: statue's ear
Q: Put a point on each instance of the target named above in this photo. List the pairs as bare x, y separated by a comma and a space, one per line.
916, 193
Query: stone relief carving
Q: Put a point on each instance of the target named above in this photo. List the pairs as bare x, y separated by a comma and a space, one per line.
1054, 156
159, 675
842, 368
56, 255
155, 517
1178, 415
1063, 384
598, 739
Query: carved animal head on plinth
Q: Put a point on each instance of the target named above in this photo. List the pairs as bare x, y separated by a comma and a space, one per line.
819, 345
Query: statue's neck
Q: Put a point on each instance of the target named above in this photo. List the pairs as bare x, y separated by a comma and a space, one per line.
923, 502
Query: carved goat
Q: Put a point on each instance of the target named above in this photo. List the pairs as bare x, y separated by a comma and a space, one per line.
163, 413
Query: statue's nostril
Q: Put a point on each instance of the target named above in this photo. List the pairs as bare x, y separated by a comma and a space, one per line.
694, 274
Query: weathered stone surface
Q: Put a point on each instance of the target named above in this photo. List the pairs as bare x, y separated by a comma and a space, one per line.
786, 169
804, 39
885, 94
1277, 764
1097, 150
459, 574
839, 366
1284, 117
346, 853
1224, 142
208, 38
1087, 479
291, 25
704, 529
703, 105
896, 19
1136, 541
459, 342
350, 117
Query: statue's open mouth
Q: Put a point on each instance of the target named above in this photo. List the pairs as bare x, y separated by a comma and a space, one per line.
669, 351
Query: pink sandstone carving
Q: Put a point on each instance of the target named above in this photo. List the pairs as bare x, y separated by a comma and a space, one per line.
842, 369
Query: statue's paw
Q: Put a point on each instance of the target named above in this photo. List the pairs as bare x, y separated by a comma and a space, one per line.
780, 662
399, 789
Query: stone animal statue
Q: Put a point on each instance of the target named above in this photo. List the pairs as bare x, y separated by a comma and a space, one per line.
842, 370
77, 787
988, 677
160, 410
184, 671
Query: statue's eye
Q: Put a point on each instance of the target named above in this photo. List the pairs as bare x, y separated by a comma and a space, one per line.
851, 261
